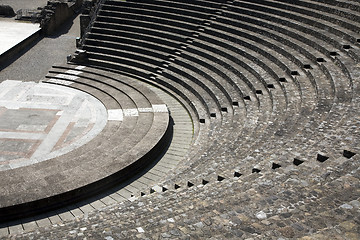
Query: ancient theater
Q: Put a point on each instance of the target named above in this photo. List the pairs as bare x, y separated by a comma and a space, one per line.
180, 119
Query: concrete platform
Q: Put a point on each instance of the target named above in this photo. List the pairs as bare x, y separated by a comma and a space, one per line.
14, 32
40, 121
63, 141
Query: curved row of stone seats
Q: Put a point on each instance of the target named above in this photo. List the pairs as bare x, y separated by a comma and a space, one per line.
179, 92
296, 194
343, 90
141, 55
337, 38
327, 50
163, 10
177, 69
137, 131
345, 18
307, 145
142, 100
328, 92
200, 90
91, 76
307, 53
345, 98
92, 44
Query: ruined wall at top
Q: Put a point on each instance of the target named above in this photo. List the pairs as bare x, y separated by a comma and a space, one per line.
56, 13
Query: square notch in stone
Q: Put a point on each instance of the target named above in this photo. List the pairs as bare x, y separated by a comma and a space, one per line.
237, 174
247, 98
213, 115
204, 182
235, 104
282, 79
307, 66
294, 73
348, 154
202, 120
320, 59
321, 157
346, 46
270, 85
224, 109
275, 166
259, 92
297, 162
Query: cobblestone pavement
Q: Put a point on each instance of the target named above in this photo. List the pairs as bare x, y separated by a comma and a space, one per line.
272, 88
270, 205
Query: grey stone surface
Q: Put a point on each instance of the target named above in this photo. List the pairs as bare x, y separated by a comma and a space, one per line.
272, 89
66, 173
38, 121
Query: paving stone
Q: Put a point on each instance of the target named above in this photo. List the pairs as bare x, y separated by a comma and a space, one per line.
272, 91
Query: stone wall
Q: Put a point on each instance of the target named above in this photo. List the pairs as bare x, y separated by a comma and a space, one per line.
88, 13
6, 11
56, 13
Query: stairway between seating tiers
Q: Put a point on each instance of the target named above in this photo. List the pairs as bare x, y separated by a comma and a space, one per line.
272, 88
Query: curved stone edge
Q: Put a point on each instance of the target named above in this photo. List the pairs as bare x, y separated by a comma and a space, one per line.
48, 203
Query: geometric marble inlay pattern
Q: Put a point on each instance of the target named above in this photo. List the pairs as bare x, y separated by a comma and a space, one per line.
39, 121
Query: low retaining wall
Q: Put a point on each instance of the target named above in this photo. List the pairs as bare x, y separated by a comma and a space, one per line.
52, 16
10, 53
56, 13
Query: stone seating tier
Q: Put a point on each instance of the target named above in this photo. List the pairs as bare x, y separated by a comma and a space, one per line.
275, 53
272, 89
142, 118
